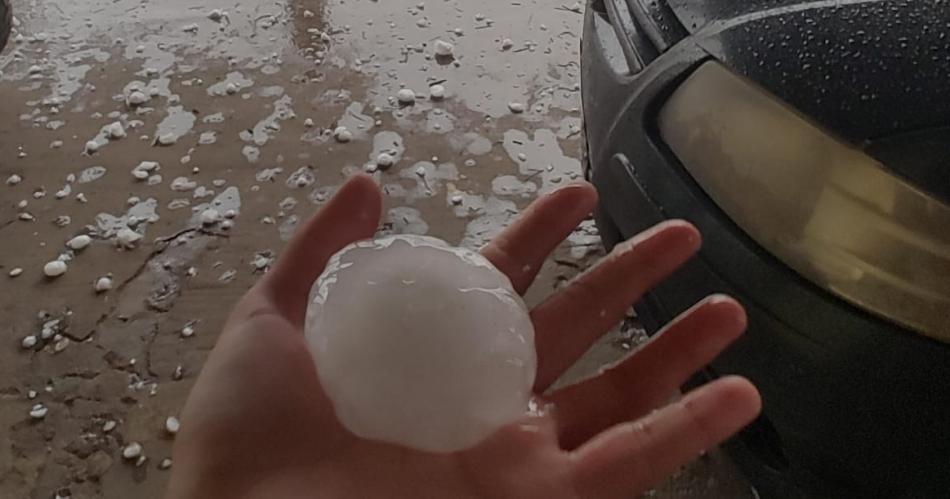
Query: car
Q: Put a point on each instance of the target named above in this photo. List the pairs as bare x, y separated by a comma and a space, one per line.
6, 22
809, 141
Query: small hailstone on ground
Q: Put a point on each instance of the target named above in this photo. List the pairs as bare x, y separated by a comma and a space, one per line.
29, 342
79, 242
230, 214
231, 89
385, 160
308, 123
188, 331
216, 15
172, 425
437, 92
444, 48
166, 139
38, 411
108, 426
15, 272
91, 147
227, 225
136, 98
437, 359
127, 238
178, 373
103, 284
132, 451
26, 217
55, 268
506, 44
81, 198
406, 96
370, 167
14, 179
457, 199
516, 107
165, 464
116, 131
210, 216
342, 134
421, 171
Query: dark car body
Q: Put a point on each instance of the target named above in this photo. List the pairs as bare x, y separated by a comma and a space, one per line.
855, 404
6, 22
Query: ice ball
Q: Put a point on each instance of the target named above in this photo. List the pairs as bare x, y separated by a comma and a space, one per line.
421, 344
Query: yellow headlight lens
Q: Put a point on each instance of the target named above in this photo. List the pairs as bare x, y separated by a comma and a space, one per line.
826, 209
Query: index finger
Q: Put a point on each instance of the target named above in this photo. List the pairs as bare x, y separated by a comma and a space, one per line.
521, 249
351, 215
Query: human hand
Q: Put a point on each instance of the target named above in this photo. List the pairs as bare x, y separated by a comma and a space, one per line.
258, 424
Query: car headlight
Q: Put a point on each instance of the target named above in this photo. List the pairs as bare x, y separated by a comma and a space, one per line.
823, 207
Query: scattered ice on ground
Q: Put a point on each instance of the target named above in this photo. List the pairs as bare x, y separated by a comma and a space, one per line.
453, 362
55, 268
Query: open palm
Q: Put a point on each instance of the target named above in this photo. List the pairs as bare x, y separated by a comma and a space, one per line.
257, 423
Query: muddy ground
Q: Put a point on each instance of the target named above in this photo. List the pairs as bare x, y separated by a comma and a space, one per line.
127, 120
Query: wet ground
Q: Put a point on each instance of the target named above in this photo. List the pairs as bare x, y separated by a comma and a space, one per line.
187, 140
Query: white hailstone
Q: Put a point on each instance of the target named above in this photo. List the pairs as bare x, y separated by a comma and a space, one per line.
231, 89
516, 107
29, 342
116, 131
14, 179
55, 268
457, 199
15, 272
406, 96
35, 69
81, 198
182, 184
165, 464
437, 92
444, 48
308, 123
216, 15
38, 411
132, 451
370, 168
210, 216
31, 394
506, 44
342, 134
26, 217
172, 425
166, 139
227, 225
421, 171
60, 194
451, 363
108, 426
385, 160
91, 147
230, 214
79, 242
56, 144
136, 98
127, 238
103, 284
188, 331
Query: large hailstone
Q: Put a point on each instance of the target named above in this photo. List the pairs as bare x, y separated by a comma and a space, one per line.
421, 344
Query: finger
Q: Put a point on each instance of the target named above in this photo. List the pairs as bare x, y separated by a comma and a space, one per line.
353, 214
571, 320
521, 249
628, 459
650, 377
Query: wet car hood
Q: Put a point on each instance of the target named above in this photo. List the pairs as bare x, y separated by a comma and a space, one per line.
872, 72
864, 70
